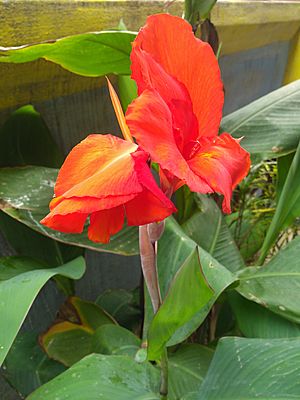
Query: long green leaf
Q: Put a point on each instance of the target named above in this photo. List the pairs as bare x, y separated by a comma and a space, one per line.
89, 54
100, 377
276, 285
115, 340
25, 194
174, 241
70, 339
270, 125
187, 369
188, 294
27, 367
255, 321
250, 369
209, 230
18, 291
288, 207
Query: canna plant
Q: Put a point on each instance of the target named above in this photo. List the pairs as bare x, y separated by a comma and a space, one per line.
162, 178
106, 178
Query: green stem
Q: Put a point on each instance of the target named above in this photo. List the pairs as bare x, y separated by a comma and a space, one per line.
164, 376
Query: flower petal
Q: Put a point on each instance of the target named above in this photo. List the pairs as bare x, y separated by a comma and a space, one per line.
146, 208
223, 163
88, 205
150, 122
149, 74
105, 223
99, 166
149, 184
70, 223
170, 42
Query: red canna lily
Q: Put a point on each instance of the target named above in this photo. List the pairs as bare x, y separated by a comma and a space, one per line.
105, 178
177, 115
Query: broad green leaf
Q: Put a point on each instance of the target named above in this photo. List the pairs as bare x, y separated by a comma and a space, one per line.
115, 340
27, 367
70, 339
250, 369
209, 230
18, 293
88, 313
122, 305
25, 139
89, 54
127, 90
188, 294
190, 396
276, 285
101, 377
11, 267
174, 241
29, 243
67, 342
25, 194
255, 321
288, 207
270, 125
187, 369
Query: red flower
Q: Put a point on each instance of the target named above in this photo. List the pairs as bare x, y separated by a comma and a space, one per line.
105, 178
178, 112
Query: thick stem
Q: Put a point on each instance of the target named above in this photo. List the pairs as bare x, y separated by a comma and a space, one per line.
148, 261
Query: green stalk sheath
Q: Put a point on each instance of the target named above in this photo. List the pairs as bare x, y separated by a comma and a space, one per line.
164, 376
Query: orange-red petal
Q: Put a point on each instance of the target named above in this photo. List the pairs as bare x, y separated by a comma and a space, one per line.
147, 208
150, 122
99, 166
169, 40
105, 223
223, 163
101, 176
70, 223
87, 204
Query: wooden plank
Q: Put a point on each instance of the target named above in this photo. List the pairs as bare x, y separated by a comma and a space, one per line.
30, 21
241, 24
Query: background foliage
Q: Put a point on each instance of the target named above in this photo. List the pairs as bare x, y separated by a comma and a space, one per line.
248, 288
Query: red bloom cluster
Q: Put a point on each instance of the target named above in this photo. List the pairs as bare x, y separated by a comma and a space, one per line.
175, 121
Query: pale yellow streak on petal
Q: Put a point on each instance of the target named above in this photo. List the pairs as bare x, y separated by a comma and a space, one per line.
119, 112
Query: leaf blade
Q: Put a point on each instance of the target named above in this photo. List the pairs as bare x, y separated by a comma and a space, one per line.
18, 293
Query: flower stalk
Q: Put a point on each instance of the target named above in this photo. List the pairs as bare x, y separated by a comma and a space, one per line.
148, 238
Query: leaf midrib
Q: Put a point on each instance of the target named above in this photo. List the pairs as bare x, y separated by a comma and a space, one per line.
269, 276
244, 121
